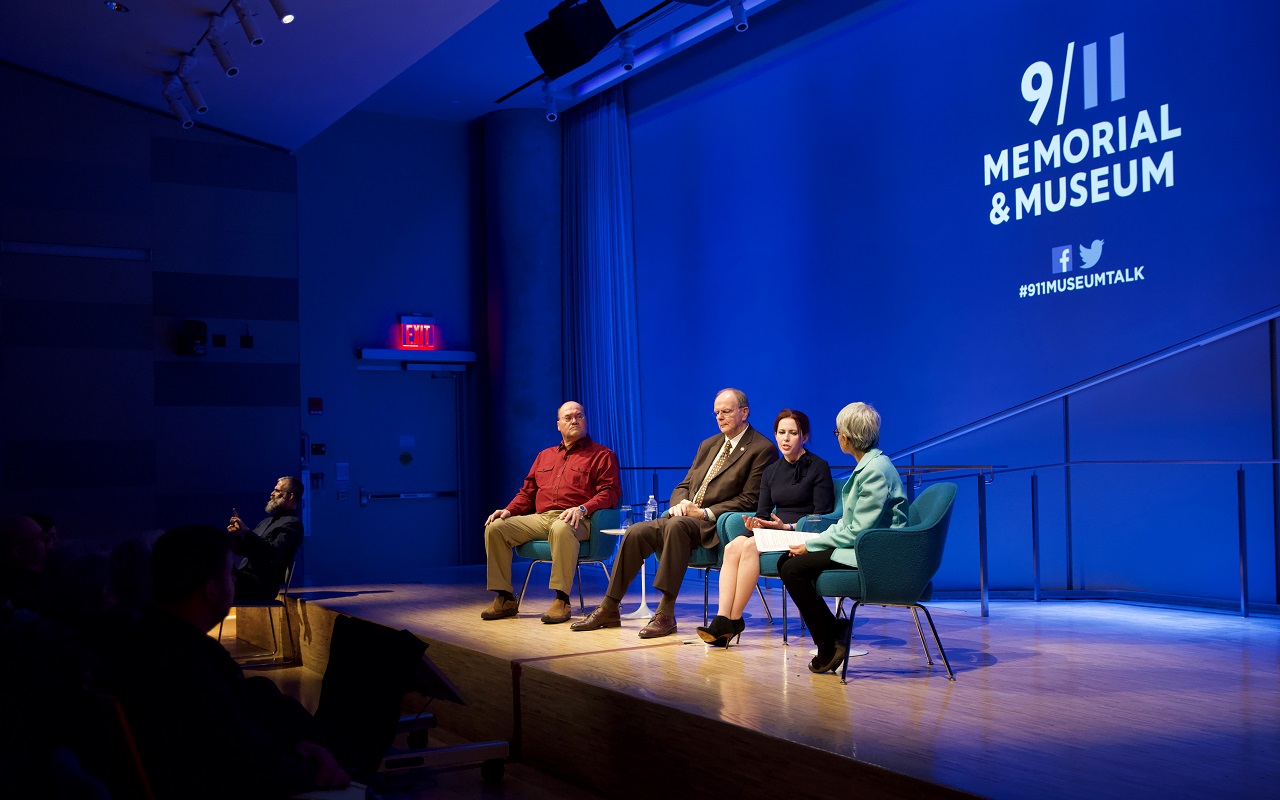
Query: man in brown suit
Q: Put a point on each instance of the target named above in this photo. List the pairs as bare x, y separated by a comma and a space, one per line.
725, 477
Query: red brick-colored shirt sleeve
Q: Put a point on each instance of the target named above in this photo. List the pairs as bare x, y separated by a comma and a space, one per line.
585, 474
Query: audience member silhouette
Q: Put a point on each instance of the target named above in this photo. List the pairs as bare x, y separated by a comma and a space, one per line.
204, 730
24, 552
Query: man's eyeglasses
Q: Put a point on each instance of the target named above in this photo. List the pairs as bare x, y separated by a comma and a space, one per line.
729, 413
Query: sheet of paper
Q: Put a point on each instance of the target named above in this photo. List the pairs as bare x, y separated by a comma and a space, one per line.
771, 541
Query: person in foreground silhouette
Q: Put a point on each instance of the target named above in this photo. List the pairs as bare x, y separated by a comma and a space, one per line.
203, 730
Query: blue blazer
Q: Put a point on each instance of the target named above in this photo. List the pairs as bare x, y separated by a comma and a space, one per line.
873, 497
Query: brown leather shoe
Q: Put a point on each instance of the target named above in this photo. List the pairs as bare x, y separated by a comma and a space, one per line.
659, 625
501, 608
599, 619
560, 611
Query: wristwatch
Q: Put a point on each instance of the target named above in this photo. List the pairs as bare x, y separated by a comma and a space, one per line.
583, 509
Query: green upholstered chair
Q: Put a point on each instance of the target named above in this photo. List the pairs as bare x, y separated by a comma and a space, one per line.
597, 549
896, 566
707, 559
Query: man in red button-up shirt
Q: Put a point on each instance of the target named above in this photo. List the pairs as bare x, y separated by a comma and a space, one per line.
565, 485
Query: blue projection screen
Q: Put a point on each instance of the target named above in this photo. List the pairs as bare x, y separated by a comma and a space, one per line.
950, 209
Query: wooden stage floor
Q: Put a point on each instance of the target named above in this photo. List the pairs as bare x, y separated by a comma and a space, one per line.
1051, 699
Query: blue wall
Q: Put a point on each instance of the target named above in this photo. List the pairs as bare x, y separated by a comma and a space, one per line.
387, 225
815, 224
106, 426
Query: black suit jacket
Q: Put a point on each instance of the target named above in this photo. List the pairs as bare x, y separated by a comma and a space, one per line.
269, 550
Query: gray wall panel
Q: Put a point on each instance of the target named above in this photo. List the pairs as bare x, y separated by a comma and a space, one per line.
242, 297
75, 393
82, 280
234, 166
90, 326
225, 450
223, 252
79, 464
187, 383
187, 209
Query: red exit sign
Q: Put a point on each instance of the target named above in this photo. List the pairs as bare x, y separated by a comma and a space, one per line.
418, 333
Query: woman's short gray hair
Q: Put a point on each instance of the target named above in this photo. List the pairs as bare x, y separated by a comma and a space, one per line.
860, 423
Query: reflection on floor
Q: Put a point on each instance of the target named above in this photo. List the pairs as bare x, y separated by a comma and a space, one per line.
1052, 699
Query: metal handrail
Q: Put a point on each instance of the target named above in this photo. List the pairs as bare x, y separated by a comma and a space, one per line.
985, 474
1243, 550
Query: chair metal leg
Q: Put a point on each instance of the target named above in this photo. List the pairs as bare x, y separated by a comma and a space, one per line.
848, 642
582, 604
916, 616
275, 644
288, 624
706, 594
784, 616
527, 573
275, 641
938, 642
765, 602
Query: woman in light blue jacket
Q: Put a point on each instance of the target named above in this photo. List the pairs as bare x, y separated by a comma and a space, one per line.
872, 498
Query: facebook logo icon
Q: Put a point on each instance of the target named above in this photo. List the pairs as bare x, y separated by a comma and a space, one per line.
1061, 259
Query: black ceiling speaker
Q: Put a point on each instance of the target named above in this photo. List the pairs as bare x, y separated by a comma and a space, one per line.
573, 33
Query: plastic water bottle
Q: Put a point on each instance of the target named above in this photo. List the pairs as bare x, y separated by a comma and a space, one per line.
650, 509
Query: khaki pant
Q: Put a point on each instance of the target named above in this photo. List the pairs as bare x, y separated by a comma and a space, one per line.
501, 535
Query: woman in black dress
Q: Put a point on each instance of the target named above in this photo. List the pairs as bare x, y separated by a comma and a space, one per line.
795, 485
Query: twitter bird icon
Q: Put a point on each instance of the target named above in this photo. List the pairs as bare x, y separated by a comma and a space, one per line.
1090, 255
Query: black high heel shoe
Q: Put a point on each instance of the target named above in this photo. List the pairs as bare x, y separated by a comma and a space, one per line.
739, 625
719, 632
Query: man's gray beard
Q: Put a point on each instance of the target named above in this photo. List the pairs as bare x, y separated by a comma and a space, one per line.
272, 505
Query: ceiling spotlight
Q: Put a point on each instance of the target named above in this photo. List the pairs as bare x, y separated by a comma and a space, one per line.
628, 59
185, 65
219, 47
282, 11
121, 7
250, 27
549, 102
739, 16
172, 92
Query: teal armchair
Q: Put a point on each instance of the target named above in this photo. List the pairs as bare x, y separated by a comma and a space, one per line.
896, 566
707, 559
597, 549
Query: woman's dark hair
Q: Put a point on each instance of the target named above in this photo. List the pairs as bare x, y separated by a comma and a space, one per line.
801, 418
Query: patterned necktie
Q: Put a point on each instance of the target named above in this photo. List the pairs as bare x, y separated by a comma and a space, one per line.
711, 473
